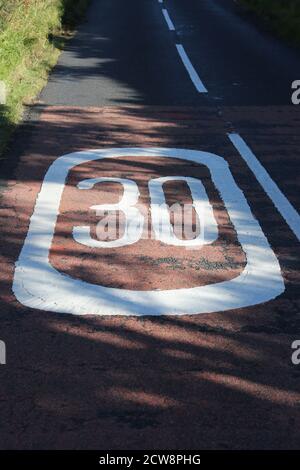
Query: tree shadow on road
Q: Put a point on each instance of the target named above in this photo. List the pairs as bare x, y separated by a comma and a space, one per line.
216, 381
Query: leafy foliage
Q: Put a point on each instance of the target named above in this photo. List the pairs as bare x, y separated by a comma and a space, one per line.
28, 50
282, 15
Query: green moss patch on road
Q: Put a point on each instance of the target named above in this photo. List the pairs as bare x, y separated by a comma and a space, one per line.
283, 16
31, 35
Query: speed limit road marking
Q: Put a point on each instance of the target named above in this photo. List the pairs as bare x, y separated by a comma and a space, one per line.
160, 216
37, 284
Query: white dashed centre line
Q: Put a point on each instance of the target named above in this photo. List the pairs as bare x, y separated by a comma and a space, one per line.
191, 70
282, 204
168, 20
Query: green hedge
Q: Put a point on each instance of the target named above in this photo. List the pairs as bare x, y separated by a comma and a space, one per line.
28, 51
282, 15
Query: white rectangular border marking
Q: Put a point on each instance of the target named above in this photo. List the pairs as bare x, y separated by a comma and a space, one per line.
37, 284
282, 204
191, 70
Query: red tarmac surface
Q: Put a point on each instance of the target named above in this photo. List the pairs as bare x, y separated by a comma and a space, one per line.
222, 380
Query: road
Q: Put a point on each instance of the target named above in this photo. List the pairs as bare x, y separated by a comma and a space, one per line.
155, 343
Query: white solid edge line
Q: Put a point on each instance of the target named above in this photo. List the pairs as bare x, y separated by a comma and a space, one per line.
190, 69
168, 20
282, 204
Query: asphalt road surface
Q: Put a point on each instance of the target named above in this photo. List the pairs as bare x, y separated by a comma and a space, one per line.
155, 342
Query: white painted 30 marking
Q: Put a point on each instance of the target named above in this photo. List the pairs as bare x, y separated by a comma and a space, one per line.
134, 219
37, 284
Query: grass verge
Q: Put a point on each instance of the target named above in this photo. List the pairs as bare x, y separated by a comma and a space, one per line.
282, 16
32, 33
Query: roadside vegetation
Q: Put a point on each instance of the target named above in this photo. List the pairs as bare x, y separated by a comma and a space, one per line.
32, 33
282, 16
